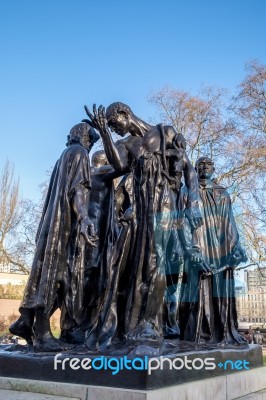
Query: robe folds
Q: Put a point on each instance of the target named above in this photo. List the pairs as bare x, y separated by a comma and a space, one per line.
207, 311
134, 303
57, 272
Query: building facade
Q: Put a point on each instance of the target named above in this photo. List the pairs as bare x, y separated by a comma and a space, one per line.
251, 300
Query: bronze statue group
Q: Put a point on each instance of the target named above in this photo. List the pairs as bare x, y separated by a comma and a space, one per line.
139, 247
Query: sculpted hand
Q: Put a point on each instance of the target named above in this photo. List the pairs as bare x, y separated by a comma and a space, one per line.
177, 258
88, 232
196, 258
127, 216
208, 270
97, 119
238, 256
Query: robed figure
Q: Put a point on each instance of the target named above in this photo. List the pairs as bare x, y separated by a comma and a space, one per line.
207, 311
57, 275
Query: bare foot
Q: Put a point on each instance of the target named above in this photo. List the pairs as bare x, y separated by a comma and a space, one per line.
20, 328
144, 331
73, 336
50, 344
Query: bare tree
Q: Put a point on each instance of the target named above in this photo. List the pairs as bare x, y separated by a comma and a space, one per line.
27, 228
199, 118
232, 133
19, 219
10, 218
250, 101
249, 108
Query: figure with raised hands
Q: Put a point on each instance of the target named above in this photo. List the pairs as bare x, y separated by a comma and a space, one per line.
157, 158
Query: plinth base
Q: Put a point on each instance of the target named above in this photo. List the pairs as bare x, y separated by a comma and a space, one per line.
134, 370
247, 385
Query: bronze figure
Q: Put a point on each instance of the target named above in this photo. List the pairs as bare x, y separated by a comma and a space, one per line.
157, 159
57, 273
111, 260
207, 312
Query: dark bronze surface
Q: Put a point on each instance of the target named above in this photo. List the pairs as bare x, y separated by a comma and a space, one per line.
113, 259
41, 366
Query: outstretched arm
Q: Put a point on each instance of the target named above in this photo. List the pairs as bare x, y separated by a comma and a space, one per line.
117, 157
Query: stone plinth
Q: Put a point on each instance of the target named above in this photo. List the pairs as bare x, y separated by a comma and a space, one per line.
246, 385
147, 372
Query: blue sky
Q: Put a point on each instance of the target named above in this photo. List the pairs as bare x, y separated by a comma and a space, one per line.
58, 55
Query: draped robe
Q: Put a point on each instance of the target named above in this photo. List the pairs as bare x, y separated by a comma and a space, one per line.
57, 273
207, 311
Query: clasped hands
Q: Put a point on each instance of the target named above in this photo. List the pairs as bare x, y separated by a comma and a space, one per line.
87, 230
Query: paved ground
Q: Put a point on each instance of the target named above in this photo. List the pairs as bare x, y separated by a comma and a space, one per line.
14, 395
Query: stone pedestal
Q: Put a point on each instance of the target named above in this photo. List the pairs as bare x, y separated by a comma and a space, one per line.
201, 373
246, 385
130, 371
